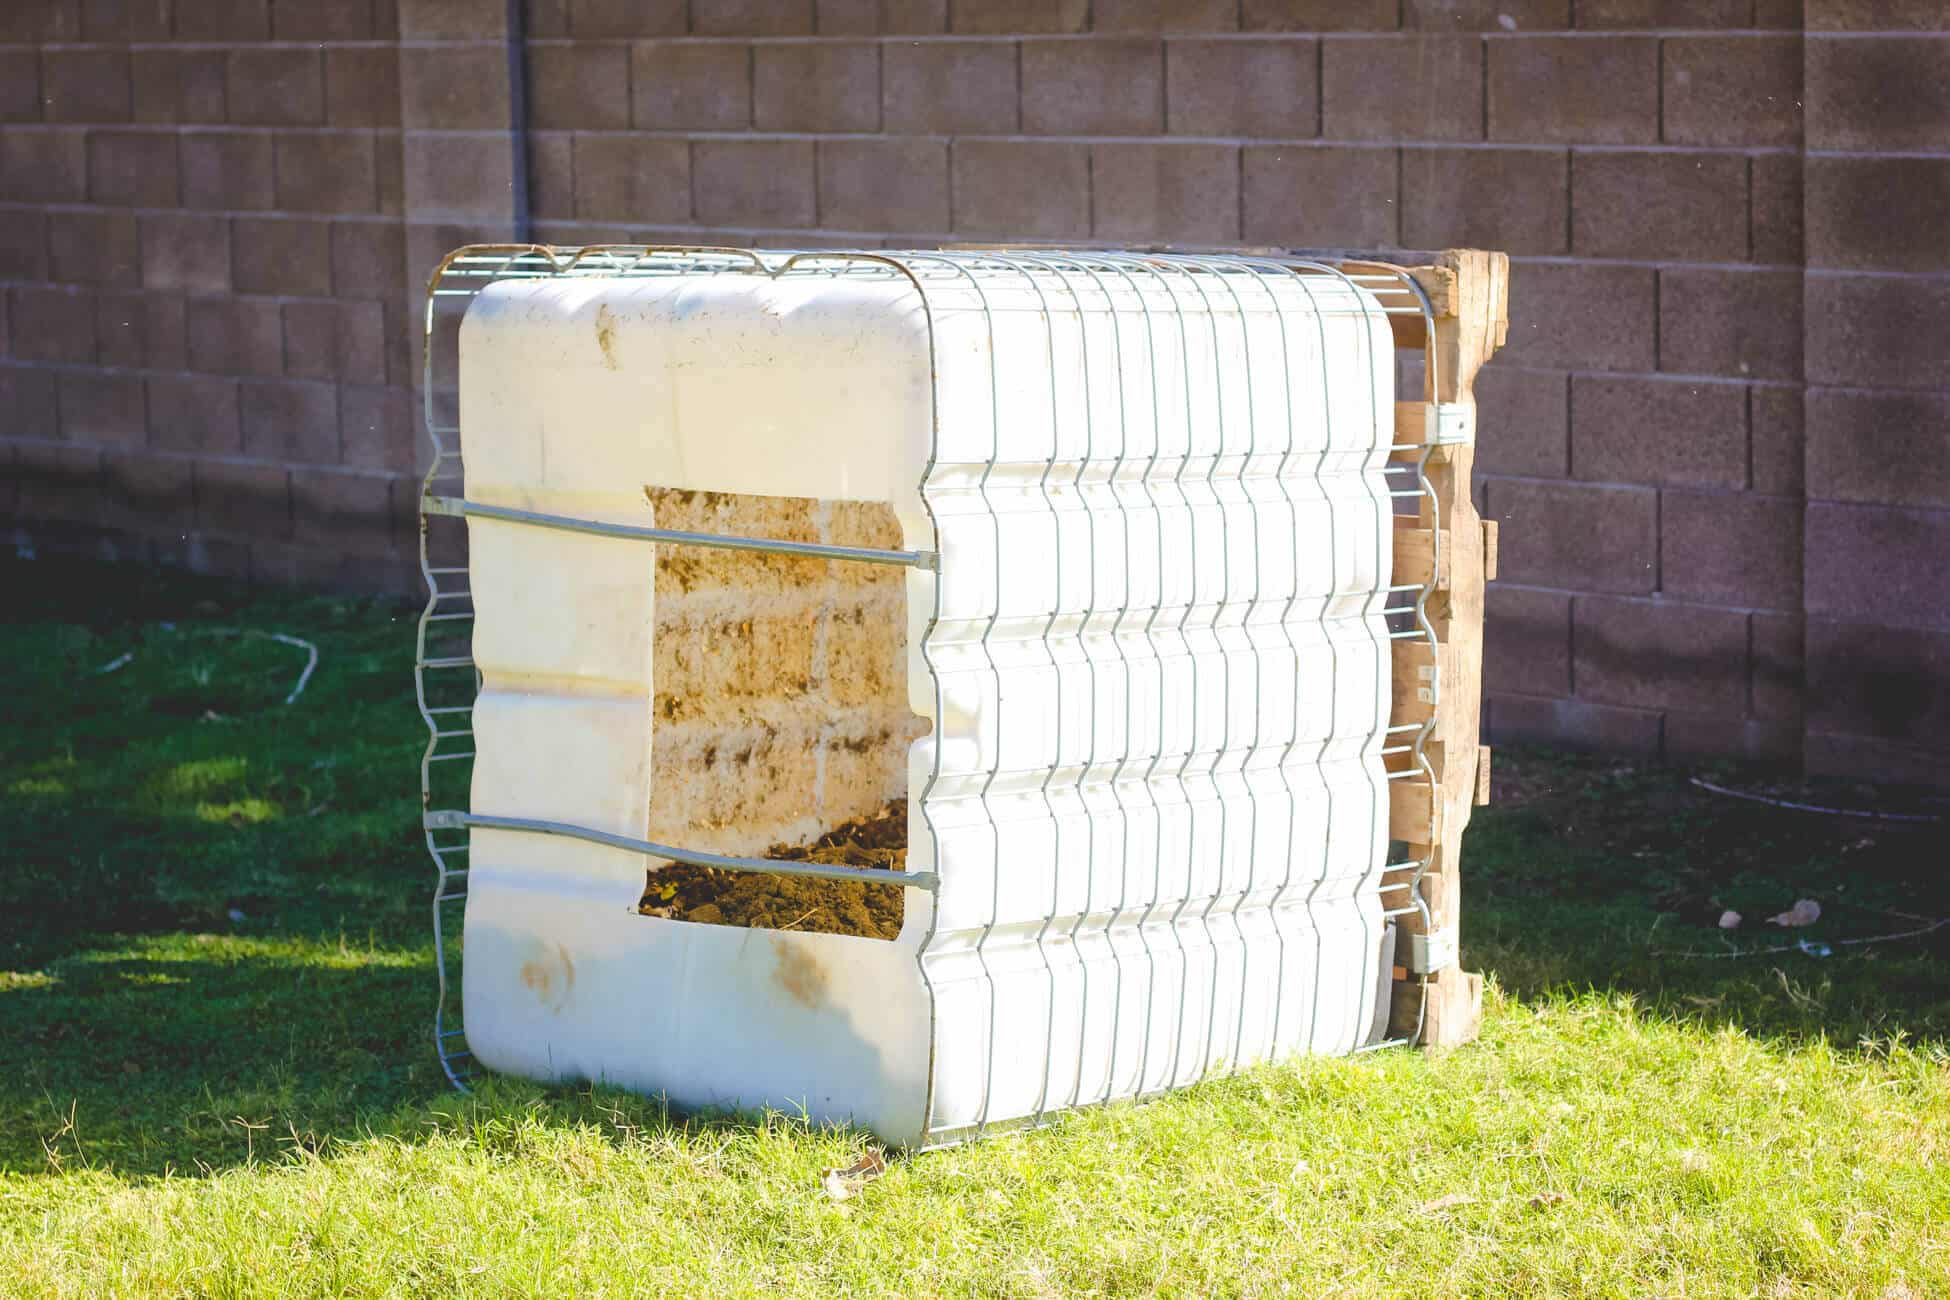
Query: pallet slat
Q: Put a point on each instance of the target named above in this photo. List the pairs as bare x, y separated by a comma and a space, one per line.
1467, 290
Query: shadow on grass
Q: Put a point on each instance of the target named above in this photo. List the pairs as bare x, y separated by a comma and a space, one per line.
1588, 872
215, 902
189, 1054
216, 939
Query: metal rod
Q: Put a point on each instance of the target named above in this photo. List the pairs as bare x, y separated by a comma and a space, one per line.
672, 536
927, 880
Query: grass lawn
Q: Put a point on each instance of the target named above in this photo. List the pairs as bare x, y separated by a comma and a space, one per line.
215, 1077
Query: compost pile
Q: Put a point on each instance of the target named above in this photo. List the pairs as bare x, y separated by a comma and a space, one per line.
766, 902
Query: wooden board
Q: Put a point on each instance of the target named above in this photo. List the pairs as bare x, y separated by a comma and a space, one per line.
1467, 290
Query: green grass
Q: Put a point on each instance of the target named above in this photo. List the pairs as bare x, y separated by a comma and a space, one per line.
215, 986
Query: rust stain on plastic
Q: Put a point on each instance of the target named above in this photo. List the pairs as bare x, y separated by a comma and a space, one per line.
798, 973
550, 976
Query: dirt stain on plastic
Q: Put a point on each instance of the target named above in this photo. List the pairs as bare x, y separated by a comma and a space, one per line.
550, 976
606, 335
798, 973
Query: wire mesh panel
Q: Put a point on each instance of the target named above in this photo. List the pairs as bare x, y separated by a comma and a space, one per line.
1148, 507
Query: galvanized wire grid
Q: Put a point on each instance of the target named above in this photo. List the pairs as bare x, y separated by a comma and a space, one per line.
1081, 282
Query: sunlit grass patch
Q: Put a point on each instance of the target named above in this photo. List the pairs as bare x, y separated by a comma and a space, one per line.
201, 777
238, 812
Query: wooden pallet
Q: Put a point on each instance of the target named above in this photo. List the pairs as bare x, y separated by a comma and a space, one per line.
1467, 289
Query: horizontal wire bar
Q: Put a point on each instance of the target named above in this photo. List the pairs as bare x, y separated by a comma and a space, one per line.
769, 866
718, 541
453, 661
448, 758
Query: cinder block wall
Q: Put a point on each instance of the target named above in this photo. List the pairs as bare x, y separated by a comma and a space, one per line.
207, 328
1716, 440
1877, 457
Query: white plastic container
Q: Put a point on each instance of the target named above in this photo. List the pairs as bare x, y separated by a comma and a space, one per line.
1152, 659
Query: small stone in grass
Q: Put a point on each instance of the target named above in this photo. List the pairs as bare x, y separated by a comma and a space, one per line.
1449, 1202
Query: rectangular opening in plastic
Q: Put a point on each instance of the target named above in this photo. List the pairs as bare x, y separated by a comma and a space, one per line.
780, 723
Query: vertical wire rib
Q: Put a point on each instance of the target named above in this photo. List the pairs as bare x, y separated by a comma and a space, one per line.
1156, 758
1311, 1038
1126, 825
995, 675
1268, 282
1205, 1061
1289, 414
1181, 275
1056, 673
443, 875
1425, 492
1384, 560
1192, 854
1089, 758
1379, 792
1250, 636
441, 1032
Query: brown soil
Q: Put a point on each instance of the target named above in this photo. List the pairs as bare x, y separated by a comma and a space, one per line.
765, 902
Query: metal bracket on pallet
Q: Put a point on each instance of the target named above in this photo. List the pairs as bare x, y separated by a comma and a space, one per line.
1451, 423
1431, 952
